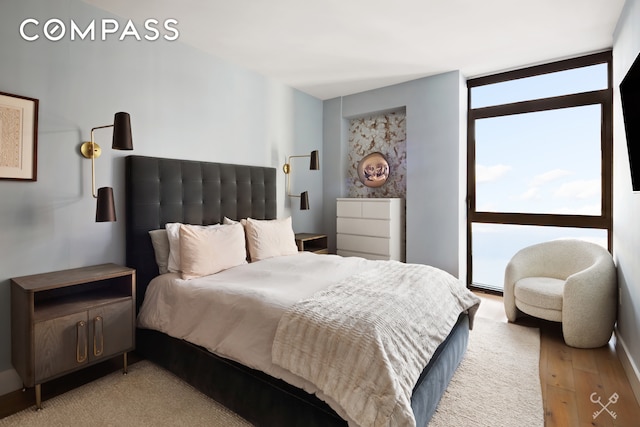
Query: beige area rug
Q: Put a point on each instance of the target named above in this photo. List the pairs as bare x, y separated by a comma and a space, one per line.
148, 396
496, 385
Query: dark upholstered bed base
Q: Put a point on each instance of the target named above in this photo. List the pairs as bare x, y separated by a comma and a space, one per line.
435, 378
257, 397
267, 401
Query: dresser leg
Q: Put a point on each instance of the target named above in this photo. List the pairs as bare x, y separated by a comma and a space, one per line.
38, 397
125, 368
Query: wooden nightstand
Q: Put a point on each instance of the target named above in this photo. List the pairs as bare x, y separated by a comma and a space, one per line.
312, 242
66, 320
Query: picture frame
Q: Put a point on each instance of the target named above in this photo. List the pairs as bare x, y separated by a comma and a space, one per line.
18, 137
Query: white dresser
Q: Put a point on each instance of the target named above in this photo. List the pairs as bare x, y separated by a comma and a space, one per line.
371, 228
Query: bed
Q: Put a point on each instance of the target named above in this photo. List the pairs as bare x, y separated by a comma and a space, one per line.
161, 191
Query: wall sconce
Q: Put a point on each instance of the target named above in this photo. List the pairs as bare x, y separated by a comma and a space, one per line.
314, 164
105, 206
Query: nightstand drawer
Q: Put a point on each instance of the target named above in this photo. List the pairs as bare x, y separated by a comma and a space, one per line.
113, 334
61, 345
65, 343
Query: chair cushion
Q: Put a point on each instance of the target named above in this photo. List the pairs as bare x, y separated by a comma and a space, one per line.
542, 292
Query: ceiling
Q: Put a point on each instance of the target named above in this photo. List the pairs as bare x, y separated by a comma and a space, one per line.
331, 48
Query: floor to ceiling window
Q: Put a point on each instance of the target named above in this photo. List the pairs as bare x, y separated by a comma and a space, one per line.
539, 161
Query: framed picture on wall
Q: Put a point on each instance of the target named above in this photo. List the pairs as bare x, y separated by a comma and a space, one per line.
18, 137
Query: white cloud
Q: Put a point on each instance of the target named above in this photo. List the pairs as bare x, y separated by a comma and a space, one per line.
548, 176
490, 173
530, 194
580, 189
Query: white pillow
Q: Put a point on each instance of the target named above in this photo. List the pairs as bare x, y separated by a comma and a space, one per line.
243, 221
173, 234
270, 238
208, 250
160, 242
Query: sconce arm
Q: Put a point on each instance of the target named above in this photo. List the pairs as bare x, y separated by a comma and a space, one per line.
91, 150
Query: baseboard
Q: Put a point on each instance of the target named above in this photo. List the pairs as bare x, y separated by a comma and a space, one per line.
630, 368
9, 381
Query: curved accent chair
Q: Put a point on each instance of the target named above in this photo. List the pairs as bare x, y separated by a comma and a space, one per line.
568, 281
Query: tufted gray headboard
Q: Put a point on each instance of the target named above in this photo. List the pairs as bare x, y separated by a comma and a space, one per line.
170, 190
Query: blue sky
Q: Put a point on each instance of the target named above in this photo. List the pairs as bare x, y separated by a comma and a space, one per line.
544, 162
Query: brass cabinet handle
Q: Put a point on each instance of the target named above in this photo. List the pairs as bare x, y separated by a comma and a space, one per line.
81, 341
98, 336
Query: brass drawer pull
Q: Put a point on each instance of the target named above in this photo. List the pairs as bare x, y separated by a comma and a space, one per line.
81, 341
98, 336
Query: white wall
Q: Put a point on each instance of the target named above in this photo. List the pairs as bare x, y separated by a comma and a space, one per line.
626, 203
183, 104
436, 149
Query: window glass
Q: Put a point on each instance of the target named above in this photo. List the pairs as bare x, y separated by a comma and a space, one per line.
543, 162
495, 244
584, 79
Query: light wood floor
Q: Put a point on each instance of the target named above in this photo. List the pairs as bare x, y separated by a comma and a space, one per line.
569, 376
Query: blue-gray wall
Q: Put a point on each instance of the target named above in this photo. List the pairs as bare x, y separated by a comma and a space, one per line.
436, 161
626, 203
183, 104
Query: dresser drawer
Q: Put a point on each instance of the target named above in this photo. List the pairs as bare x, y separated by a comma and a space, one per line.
364, 208
350, 209
364, 255
366, 244
364, 226
376, 209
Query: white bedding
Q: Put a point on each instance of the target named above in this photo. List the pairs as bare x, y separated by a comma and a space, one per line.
235, 313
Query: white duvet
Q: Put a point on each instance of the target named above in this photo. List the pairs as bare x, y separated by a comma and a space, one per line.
235, 313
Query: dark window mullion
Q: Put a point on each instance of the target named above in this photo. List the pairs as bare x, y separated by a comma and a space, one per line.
545, 104
554, 220
553, 67
471, 186
606, 129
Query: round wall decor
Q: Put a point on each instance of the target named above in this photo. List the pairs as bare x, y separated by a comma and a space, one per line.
373, 170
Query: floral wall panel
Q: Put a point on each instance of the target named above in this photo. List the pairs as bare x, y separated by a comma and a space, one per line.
384, 133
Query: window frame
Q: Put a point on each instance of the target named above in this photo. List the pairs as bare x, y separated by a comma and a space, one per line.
603, 97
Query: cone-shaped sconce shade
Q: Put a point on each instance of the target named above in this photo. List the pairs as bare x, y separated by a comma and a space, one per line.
314, 165
106, 209
304, 201
122, 132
